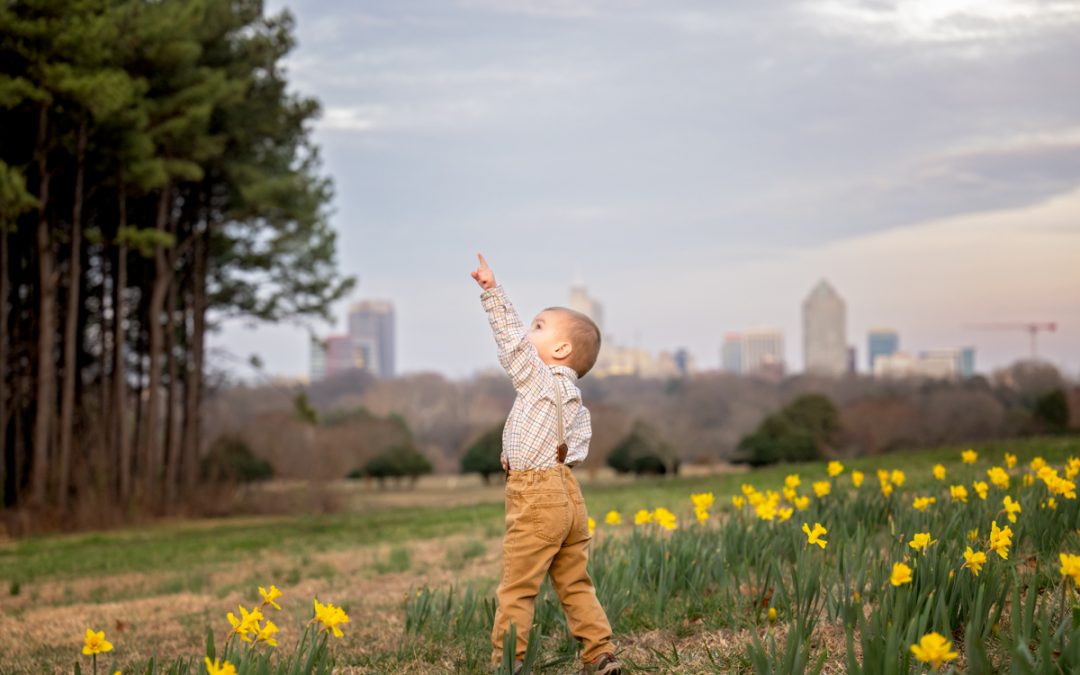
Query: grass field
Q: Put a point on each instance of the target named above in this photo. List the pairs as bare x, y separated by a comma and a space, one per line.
157, 590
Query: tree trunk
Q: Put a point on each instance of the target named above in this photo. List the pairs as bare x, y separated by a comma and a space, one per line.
45, 405
150, 450
172, 410
71, 367
121, 439
193, 386
4, 497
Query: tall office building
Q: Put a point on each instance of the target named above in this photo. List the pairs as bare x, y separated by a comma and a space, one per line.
881, 342
731, 353
824, 331
371, 330
763, 352
581, 301
317, 364
340, 356
967, 362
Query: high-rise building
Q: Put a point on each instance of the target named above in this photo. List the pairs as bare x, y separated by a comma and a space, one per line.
731, 353
852, 360
824, 331
582, 302
881, 342
341, 356
371, 330
317, 365
967, 362
763, 352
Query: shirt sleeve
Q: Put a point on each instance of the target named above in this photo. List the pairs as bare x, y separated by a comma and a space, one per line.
517, 355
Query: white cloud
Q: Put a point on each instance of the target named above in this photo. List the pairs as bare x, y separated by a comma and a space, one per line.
943, 21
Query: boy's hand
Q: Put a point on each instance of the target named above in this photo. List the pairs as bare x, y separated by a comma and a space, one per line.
505, 464
483, 274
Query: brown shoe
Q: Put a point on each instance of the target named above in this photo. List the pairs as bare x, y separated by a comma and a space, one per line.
607, 664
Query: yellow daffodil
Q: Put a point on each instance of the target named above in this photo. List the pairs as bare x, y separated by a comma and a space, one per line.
766, 510
981, 489
1000, 540
643, 517
920, 541
834, 469
702, 515
973, 534
968, 456
1010, 460
592, 525
1070, 567
1037, 464
998, 477
974, 560
792, 481
814, 536
802, 503
270, 596
748, 489
886, 489
923, 503
247, 624
1027, 480
738, 502
330, 617
933, 648
901, 574
96, 643
702, 501
665, 519
1051, 503
789, 493
958, 493
215, 667
939, 471
266, 633
772, 615
784, 513
613, 518
856, 478
1011, 508
882, 476
1072, 467
822, 488
897, 477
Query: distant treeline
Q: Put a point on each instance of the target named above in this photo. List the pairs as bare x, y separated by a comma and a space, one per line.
155, 175
648, 425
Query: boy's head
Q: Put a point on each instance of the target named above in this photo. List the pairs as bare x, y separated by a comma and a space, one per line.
565, 337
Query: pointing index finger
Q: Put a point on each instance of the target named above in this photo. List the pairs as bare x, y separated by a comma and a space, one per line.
483, 263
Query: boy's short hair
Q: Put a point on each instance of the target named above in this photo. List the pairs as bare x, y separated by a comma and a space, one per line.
584, 336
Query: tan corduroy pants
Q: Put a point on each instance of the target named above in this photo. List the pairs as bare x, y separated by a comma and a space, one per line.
547, 532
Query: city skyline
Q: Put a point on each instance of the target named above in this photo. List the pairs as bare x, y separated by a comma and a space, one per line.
903, 150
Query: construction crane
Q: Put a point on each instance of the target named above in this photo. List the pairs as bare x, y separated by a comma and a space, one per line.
1032, 327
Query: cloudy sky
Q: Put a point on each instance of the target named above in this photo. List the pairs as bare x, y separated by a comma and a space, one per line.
699, 166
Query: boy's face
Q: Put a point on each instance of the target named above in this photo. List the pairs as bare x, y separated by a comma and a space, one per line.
548, 334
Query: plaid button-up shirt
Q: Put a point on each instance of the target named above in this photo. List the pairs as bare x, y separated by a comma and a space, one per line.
530, 438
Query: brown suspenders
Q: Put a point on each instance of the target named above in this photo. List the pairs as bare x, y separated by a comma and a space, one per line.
560, 449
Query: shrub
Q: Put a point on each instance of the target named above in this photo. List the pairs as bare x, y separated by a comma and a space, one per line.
642, 452
230, 459
482, 457
399, 461
1051, 411
799, 432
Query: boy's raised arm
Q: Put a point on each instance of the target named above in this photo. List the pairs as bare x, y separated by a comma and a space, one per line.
517, 355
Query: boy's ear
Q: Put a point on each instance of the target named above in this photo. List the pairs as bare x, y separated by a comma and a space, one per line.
563, 350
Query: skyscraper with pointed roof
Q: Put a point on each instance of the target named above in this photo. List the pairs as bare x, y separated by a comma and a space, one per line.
824, 331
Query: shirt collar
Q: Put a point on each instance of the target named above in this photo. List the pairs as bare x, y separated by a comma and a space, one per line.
567, 371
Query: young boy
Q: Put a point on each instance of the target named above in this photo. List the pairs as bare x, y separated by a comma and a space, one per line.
547, 432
